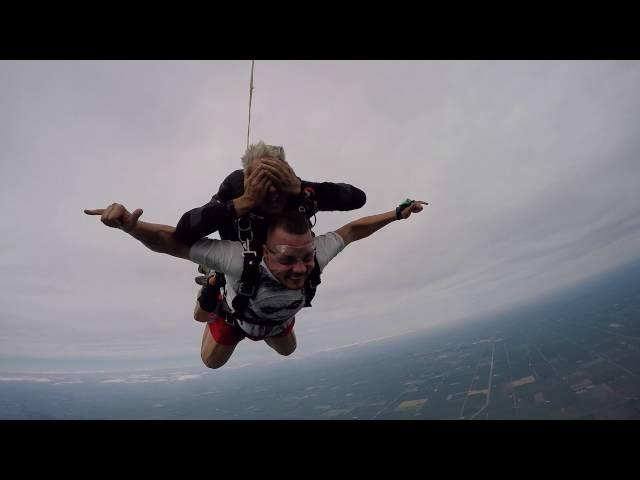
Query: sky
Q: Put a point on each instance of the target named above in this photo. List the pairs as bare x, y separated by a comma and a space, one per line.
530, 169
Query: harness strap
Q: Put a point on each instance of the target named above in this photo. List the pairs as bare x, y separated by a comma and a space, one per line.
251, 264
312, 283
250, 277
309, 205
248, 281
232, 317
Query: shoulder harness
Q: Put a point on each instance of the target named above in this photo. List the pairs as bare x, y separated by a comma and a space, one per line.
252, 256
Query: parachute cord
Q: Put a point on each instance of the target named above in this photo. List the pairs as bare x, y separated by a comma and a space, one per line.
250, 96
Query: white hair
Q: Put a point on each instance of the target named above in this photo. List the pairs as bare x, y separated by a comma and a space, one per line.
259, 150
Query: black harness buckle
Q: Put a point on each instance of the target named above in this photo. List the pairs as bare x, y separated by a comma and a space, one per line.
245, 232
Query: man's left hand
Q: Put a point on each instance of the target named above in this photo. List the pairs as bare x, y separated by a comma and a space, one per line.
415, 207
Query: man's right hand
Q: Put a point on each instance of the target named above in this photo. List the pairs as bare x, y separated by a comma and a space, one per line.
256, 187
116, 216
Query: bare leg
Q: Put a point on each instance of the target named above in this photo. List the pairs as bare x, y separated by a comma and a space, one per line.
283, 345
213, 354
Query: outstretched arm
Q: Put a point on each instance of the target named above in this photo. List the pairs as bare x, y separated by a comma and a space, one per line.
156, 237
336, 196
236, 197
328, 196
202, 221
363, 227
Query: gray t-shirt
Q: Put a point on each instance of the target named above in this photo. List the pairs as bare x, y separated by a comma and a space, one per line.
273, 301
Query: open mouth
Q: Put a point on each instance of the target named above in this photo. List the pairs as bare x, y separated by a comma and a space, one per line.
297, 279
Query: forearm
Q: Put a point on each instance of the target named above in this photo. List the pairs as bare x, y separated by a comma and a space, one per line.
365, 226
159, 238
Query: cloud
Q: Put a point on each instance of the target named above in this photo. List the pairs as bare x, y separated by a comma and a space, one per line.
25, 379
530, 169
150, 378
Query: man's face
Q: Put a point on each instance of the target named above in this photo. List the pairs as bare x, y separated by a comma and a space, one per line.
275, 200
290, 257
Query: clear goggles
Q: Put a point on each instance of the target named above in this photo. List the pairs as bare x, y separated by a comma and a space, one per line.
288, 255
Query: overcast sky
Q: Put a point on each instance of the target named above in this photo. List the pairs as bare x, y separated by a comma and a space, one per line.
531, 170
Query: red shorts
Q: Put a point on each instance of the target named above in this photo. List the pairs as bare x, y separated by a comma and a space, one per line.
226, 334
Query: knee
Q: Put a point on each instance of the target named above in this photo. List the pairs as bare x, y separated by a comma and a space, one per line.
213, 360
196, 313
201, 316
288, 350
213, 363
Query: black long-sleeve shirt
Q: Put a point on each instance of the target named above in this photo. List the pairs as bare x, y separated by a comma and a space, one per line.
219, 215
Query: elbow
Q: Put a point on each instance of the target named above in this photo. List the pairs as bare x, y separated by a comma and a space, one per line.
359, 198
347, 234
182, 233
168, 245
200, 315
350, 197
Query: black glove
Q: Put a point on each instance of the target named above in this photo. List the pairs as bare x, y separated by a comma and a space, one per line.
210, 295
401, 207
